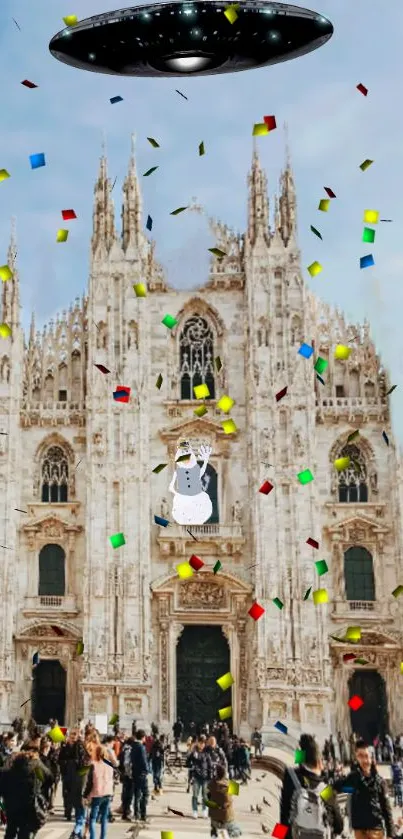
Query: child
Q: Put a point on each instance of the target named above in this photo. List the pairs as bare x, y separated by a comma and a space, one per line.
221, 815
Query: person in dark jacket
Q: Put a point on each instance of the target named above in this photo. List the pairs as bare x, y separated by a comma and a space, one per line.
126, 773
139, 775
44, 754
199, 763
310, 775
157, 757
73, 760
21, 788
371, 812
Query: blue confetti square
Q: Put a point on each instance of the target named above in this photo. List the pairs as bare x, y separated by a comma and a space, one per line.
281, 727
322, 381
162, 522
305, 350
367, 261
37, 160
116, 99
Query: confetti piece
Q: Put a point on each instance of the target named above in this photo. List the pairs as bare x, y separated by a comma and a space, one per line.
355, 703
231, 12
114, 719
391, 389
225, 713
225, 681
367, 261
201, 391
313, 543
37, 160
18, 27
397, 591
195, 562
229, 426
305, 350
281, 727
201, 149
256, 611
314, 269
159, 381
70, 20
169, 321
233, 788
4, 174
217, 252
67, 215
201, 411
115, 99
191, 534
329, 191
299, 756
353, 633
270, 121
140, 290
176, 812
348, 657
159, 468
117, 540
362, 89
316, 232
353, 436
320, 596
322, 381
260, 129
307, 593
5, 273
177, 211
225, 404
150, 171
266, 488
149, 223
342, 352
5, 330
361, 661
57, 630
281, 394
181, 94
217, 567
371, 216
324, 205
153, 143
62, 235
320, 365
210, 804
56, 735
385, 437
401, 669
80, 647
368, 235
305, 477
321, 567
167, 834
386, 219
342, 463
122, 394
29, 84
326, 794
280, 831
366, 164
35, 659
218, 363
184, 571
277, 602
162, 522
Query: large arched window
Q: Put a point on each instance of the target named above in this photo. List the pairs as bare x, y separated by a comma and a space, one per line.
196, 357
55, 476
51, 571
353, 486
210, 485
359, 577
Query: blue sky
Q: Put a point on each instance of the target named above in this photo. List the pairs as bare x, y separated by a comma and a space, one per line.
332, 129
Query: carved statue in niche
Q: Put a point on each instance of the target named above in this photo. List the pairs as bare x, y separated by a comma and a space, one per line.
132, 706
98, 704
147, 668
100, 651
208, 596
237, 512
298, 444
131, 443
101, 336
3, 443
132, 338
98, 443
277, 709
373, 480
24, 650
164, 509
267, 442
131, 643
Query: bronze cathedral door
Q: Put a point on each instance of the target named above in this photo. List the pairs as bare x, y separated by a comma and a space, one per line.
202, 656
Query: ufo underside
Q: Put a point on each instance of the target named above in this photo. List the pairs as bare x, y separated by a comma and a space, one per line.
190, 38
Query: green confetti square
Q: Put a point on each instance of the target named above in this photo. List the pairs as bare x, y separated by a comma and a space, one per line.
305, 477
321, 567
169, 321
217, 567
159, 468
368, 235
321, 365
117, 540
277, 602
299, 756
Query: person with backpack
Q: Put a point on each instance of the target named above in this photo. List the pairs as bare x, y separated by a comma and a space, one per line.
371, 814
302, 808
125, 764
397, 781
157, 764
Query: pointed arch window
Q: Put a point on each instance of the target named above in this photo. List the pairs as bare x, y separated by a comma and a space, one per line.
52, 571
353, 482
359, 579
55, 476
196, 347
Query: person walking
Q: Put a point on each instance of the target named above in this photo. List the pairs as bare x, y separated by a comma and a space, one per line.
139, 775
199, 763
99, 790
177, 729
157, 764
371, 814
221, 811
397, 781
126, 773
73, 759
21, 791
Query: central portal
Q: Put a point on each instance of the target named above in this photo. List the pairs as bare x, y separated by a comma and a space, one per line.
202, 656
49, 692
371, 720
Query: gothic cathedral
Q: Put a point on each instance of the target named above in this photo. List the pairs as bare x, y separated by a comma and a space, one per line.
76, 467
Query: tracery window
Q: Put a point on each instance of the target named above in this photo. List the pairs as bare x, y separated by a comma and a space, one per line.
55, 476
52, 571
196, 357
353, 486
359, 577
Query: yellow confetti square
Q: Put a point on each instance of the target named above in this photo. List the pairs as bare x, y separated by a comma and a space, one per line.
184, 571
341, 463
320, 596
167, 834
401, 666
324, 204
371, 216
231, 13
225, 681
327, 794
341, 352
140, 289
56, 735
62, 235
200, 411
225, 713
233, 788
5, 273
201, 392
5, 330
315, 268
70, 20
229, 426
4, 174
225, 404
353, 633
260, 129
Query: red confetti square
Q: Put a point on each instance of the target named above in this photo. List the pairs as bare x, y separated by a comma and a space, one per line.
63, 730
348, 657
29, 84
270, 122
122, 390
68, 215
266, 488
355, 703
329, 191
195, 562
313, 543
256, 611
281, 394
102, 368
280, 831
362, 89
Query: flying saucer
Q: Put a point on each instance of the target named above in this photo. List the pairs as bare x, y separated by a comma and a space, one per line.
190, 38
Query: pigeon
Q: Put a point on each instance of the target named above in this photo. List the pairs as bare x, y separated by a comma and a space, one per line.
258, 779
264, 775
265, 829
265, 801
134, 831
252, 809
258, 809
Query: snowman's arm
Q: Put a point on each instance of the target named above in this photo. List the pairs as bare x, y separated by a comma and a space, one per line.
203, 467
172, 484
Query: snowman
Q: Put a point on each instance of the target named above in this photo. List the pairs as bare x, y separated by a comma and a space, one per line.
191, 505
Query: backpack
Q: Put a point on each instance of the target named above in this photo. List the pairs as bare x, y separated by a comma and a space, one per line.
127, 762
308, 817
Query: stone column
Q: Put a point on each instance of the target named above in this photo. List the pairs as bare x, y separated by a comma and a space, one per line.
243, 680
175, 632
341, 677
230, 634
392, 677
164, 706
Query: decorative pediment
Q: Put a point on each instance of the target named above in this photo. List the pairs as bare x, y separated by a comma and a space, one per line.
198, 432
208, 593
52, 527
205, 577
357, 529
42, 629
369, 638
